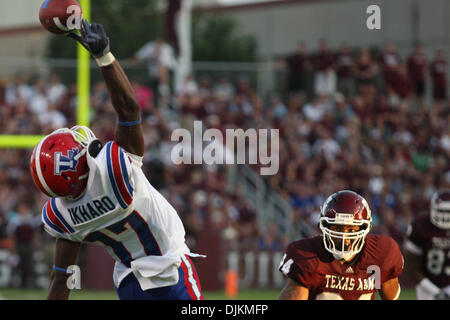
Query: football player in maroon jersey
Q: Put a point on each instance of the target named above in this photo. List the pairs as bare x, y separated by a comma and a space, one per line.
428, 249
346, 262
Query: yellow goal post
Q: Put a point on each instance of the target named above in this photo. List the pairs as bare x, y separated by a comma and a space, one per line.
83, 84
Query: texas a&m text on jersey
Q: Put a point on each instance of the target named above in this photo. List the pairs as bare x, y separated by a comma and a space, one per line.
346, 262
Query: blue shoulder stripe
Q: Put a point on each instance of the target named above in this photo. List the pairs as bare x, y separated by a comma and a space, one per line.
124, 172
49, 223
59, 215
111, 176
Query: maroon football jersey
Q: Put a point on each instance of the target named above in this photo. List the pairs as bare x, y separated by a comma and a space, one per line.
307, 262
433, 245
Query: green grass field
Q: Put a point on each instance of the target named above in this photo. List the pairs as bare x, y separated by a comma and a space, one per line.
35, 294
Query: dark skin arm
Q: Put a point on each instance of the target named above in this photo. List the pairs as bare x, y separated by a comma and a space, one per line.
93, 37
126, 106
293, 291
66, 253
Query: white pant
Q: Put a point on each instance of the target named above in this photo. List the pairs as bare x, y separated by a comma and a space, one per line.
422, 294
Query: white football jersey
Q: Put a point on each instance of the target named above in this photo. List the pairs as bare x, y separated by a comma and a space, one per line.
121, 211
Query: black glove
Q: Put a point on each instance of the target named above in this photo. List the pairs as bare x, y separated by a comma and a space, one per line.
93, 38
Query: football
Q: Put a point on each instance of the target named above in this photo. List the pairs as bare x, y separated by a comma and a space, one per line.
60, 16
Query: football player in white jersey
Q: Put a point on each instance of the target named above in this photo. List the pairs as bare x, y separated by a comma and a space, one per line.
99, 194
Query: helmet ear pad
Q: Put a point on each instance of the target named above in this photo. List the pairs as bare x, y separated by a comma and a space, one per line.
95, 147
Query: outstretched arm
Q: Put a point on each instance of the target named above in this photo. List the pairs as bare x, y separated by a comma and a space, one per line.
129, 130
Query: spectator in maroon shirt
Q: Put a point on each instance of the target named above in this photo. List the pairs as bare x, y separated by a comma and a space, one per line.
345, 65
298, 64
390, 62
417, 69
366, 73
325, 58
403, 87
439, 77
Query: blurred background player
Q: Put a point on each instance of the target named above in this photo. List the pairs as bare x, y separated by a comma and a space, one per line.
101, 195
428, 250
338, 265
160, 59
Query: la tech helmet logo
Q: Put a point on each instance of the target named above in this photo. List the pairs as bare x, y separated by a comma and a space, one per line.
65, 163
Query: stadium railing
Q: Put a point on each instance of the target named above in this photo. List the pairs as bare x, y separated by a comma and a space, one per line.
269, 205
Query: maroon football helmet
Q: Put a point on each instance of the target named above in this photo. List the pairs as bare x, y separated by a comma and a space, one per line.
345, 208
58, 164
440, 209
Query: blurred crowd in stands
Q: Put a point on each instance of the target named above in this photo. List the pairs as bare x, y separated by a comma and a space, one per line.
373, 122
365, 125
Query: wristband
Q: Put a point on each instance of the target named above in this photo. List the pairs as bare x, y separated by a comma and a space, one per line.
62, 269
106, 60
129, 123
